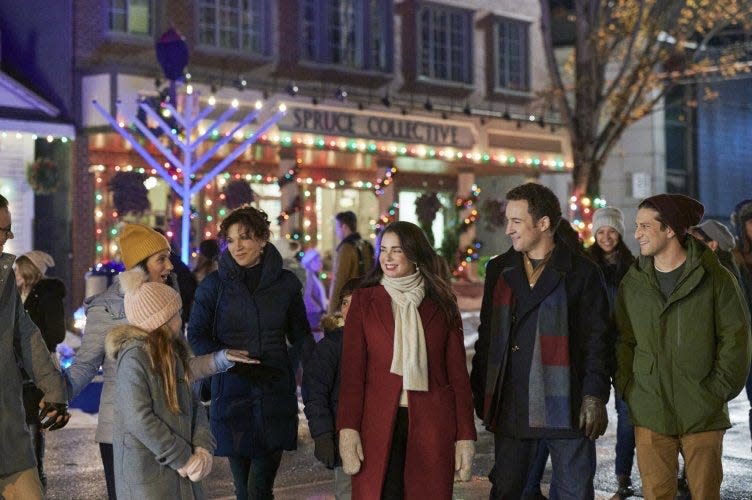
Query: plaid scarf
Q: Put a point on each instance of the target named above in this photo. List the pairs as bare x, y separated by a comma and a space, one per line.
549, 382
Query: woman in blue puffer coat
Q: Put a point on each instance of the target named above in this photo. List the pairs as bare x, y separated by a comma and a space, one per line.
252, 303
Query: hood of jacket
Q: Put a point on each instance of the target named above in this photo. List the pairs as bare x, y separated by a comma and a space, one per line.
119, 336
271, 267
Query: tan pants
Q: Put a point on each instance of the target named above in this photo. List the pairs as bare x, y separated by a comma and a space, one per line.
22, 485
658, 461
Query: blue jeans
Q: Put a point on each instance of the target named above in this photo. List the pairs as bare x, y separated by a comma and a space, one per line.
573, 463
625, 441
535, 474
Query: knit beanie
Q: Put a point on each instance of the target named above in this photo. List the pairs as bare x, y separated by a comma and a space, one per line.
680, 212
40, 259
137, 242
741, 214
148, 305
608, 216
718, 232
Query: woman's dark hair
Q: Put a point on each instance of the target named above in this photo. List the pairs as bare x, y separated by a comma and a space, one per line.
569, 236
624, 256
418, 250
251, 219
142, 264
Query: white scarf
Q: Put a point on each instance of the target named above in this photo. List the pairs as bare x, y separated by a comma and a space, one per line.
409, 358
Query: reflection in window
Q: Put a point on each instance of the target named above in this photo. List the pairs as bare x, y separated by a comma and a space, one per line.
351, 33
445, 43
234, 24
512, 55
130, 16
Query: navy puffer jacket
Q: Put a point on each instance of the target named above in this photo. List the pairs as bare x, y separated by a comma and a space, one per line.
254, 409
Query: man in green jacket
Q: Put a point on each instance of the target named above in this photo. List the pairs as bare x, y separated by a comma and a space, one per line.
683, 349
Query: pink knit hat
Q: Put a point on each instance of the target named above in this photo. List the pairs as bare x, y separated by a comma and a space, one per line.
148, 305
40, 259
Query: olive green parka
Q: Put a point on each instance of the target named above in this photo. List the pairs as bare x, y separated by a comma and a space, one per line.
679, 361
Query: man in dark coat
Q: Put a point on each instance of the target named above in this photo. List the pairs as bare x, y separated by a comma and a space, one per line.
18, 472
540, 365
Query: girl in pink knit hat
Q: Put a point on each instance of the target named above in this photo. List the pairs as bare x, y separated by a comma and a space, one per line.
161, 440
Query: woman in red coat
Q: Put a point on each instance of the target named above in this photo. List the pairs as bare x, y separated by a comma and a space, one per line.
405, 415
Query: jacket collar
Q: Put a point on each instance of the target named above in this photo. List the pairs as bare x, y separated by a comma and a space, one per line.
699, 259
119, 336
271, 267
351, 238
556, 268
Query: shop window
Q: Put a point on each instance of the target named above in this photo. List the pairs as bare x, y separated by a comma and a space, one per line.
352, 33
131, 16
241, 25
408, 212
512, 55
445, 43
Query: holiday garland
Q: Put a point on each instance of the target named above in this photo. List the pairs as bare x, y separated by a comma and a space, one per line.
238, 193
382, 182
427, 206
129, 192
290, 176
387, 217
43, 176
494, 213
293, 208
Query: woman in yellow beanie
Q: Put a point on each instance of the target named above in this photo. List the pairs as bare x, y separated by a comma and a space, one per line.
140, 246
161, 439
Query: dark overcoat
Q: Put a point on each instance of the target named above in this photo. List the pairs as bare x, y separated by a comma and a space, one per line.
507, 331
253, 411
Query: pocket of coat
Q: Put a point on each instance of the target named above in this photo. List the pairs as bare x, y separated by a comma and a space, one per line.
643, 363
139, 464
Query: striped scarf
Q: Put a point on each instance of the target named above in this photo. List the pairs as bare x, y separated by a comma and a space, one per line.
549, 382
549, 379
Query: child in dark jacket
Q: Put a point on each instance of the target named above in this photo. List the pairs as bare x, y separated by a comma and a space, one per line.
321, 391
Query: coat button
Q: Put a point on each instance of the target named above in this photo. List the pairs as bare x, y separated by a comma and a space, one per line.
515, 348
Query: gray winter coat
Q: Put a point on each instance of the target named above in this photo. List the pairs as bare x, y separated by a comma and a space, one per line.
16, 452
149, 441
103, 312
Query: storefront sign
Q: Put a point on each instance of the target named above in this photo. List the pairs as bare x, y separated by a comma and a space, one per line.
320, 121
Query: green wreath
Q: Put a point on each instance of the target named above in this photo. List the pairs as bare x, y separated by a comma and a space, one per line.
43, 176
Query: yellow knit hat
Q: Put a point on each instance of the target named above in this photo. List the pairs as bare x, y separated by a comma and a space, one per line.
138, 242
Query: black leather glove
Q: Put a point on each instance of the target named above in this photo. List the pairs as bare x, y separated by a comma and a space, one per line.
593, 417
53, 416
325, 450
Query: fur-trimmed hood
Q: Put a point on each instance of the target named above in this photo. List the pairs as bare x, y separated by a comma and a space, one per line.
121, 335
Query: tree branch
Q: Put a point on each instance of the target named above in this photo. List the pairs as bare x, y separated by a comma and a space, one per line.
560, 93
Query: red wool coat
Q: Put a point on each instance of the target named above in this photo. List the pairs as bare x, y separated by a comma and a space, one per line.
370, 393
